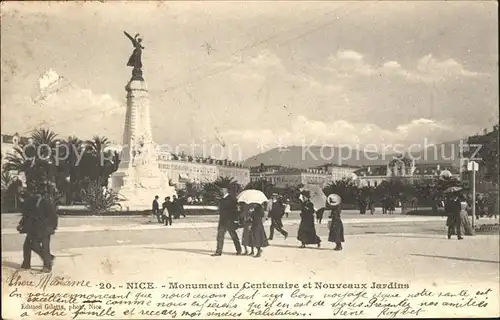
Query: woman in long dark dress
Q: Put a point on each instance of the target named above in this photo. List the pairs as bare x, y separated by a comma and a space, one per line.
336, 234
246, 237
307, 231
257, 231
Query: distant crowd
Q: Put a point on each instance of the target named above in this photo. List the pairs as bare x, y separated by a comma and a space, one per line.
171, 208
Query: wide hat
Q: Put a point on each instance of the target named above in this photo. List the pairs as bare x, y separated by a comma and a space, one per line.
333, 200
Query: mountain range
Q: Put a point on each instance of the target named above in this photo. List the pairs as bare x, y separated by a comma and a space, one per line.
314, 156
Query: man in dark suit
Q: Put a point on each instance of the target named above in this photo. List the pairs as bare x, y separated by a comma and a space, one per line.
167, 211
228, 216
39, 221
276, 214
176, 206
156, 209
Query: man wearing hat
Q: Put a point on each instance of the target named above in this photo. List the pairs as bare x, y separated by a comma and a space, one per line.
228, 210
39, 221
453, 207
276, 214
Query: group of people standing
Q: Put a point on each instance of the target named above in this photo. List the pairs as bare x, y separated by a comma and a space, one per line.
250, 217
457, 208
171, 208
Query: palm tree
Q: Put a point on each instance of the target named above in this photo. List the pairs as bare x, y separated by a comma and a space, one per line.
6, 179
229, 183
96, 157
37, 159
69, 178
11, 186
43, 136
18, 161
346, 189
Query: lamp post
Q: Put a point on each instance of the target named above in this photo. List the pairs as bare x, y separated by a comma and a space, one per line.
473, 166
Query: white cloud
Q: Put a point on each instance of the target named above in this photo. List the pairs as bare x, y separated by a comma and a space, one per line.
392, 65
68, 111
305, 131
349, 63
349, 55
430, 66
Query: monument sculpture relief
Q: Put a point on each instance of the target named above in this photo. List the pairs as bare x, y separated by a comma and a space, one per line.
139, 178
135, 59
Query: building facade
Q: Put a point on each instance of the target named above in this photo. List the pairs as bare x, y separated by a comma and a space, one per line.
181, 169
339, 172
406, 168
283, 177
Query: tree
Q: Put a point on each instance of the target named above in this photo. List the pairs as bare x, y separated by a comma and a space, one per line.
99, 200
192, 189
70, 173
400, 189
11, 187
36, 159
229, 183
70, 164
212, 190
345, 188
97, 159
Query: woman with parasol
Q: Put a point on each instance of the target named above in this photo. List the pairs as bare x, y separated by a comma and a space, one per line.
307, 232
336, 234
246, 222
253, 213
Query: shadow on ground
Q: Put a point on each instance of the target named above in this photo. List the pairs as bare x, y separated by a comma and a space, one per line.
297, 247
412, 236
454, 258
17, 266
195, 251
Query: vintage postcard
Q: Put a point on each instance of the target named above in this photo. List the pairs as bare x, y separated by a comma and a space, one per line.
249, 159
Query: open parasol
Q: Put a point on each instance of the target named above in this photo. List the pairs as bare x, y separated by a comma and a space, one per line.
452, 189
252, 196
318, 197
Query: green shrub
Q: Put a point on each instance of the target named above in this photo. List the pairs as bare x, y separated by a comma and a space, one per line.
98, 200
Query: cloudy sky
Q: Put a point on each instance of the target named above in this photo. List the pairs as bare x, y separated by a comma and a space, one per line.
258, 74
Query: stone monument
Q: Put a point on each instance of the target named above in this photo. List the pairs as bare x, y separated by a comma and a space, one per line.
138, 178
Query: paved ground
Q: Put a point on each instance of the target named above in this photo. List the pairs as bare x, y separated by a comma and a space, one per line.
106, 231
10, 220
398, 249
428, 262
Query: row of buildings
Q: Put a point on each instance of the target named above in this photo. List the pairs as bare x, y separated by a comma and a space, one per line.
283, 177
181, 169
363, 176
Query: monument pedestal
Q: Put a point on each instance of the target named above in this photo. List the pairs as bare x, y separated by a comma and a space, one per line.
139, 179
